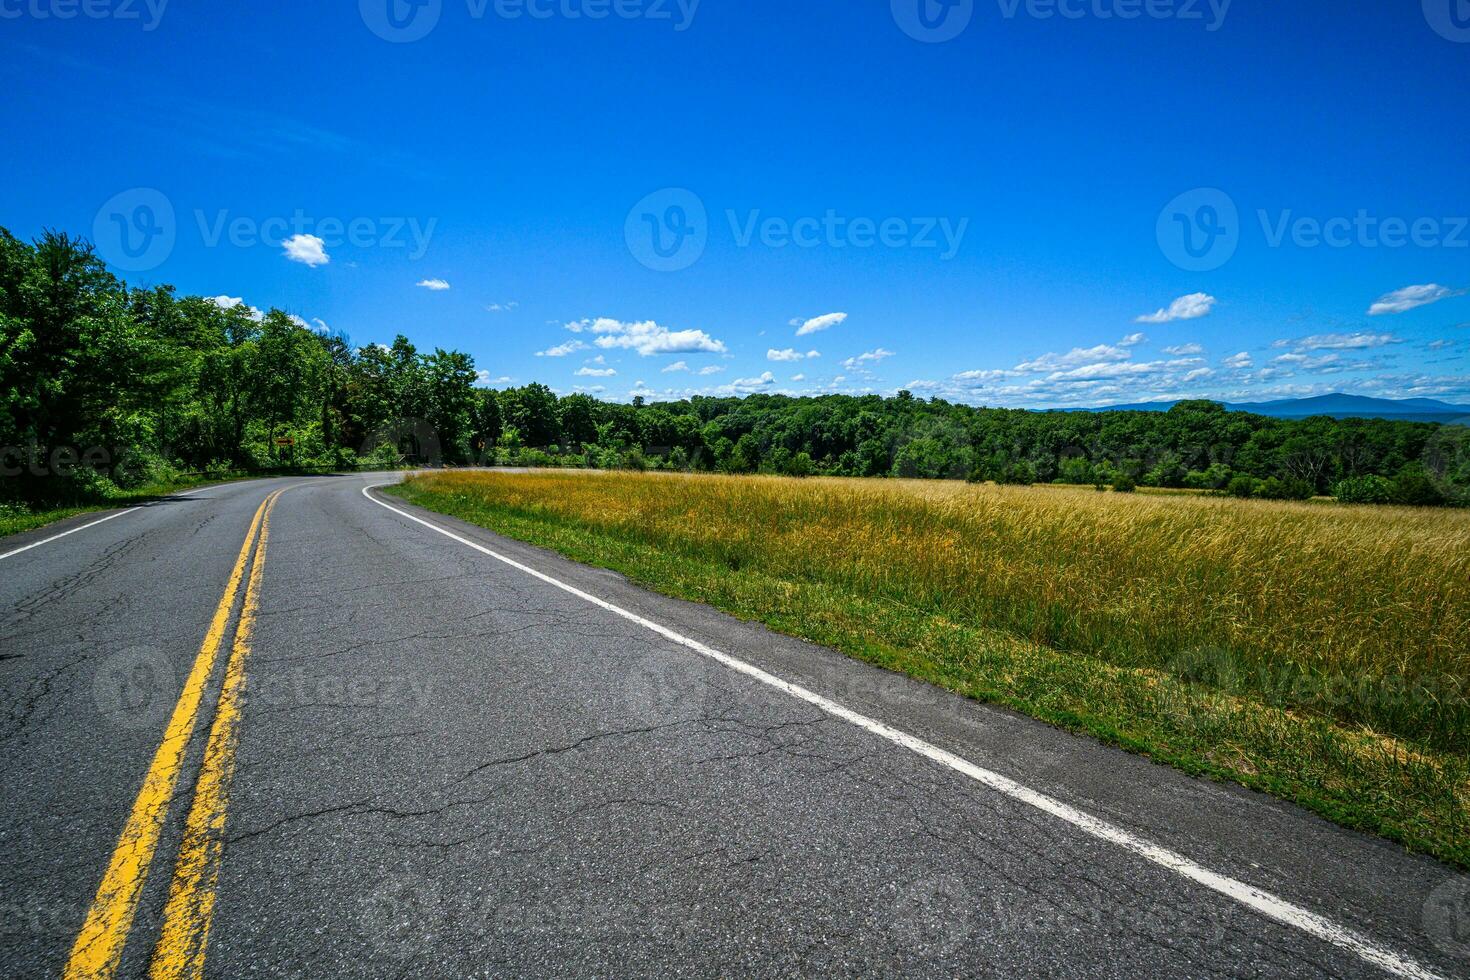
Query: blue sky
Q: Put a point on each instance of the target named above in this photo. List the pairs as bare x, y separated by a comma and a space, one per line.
998, 217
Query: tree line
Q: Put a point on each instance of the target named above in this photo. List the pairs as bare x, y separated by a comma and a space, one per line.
110, 386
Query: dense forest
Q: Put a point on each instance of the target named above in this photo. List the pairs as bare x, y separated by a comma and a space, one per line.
107, 386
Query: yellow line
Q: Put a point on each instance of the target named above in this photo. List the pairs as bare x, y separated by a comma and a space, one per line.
190, 909
98, 949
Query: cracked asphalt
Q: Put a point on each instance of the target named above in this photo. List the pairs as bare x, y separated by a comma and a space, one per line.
450, 768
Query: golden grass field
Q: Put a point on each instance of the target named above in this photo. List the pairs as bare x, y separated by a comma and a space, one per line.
1315, 650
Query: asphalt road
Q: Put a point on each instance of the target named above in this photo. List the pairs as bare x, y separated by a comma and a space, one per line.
429, 761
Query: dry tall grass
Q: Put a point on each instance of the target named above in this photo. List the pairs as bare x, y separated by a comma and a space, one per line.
1361, 614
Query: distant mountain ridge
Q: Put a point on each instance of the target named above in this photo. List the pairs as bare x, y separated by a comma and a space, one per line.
1338, 406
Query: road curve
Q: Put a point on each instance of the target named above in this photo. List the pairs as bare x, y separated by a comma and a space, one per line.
444, 765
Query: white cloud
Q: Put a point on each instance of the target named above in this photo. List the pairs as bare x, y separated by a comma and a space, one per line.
1133, 340
230, 302
798, 377
646, 337
868, 357
817, 323
984, 376
710, 369
483, 378
590, 372
317, 325
790, 354
1440, 344
766, 378
677, 366
306, 249
1075, 357
1340, 341
1411, 297
502, 307
1197, 374
433, 285
562, 350
1184, 350
1190, 307
1238, 361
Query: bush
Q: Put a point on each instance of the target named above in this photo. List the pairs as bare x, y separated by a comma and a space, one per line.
1412, 486
1021, 474
801, 465
1123, 483
1363, 490
1242, 485
1290, 488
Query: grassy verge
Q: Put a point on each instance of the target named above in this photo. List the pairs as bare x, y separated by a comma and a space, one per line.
1315, 653
16, 518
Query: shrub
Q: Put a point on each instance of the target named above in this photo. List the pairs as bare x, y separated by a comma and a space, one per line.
1287, 488
1363, 490
1021, 474
801, 465
1241, 485
1412, 486
1123, 483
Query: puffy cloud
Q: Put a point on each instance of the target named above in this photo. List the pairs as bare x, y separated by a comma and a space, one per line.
705, 372
817, 323
1411, 297
1184, 350
866, 358
1133, 340
230, 302
562, 350
677, 366
798, 377
1340, 341
1076, 357
754, 384
433, 285
790, 354
591, 372
1237, 362
309, 250
646, 337
1190, 307
483, 378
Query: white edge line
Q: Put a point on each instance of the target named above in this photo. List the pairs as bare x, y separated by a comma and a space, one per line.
1254, 898
122, 513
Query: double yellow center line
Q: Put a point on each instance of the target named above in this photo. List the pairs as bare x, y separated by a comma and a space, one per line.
187, 916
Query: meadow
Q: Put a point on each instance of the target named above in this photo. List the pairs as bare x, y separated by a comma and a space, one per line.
1317, 651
